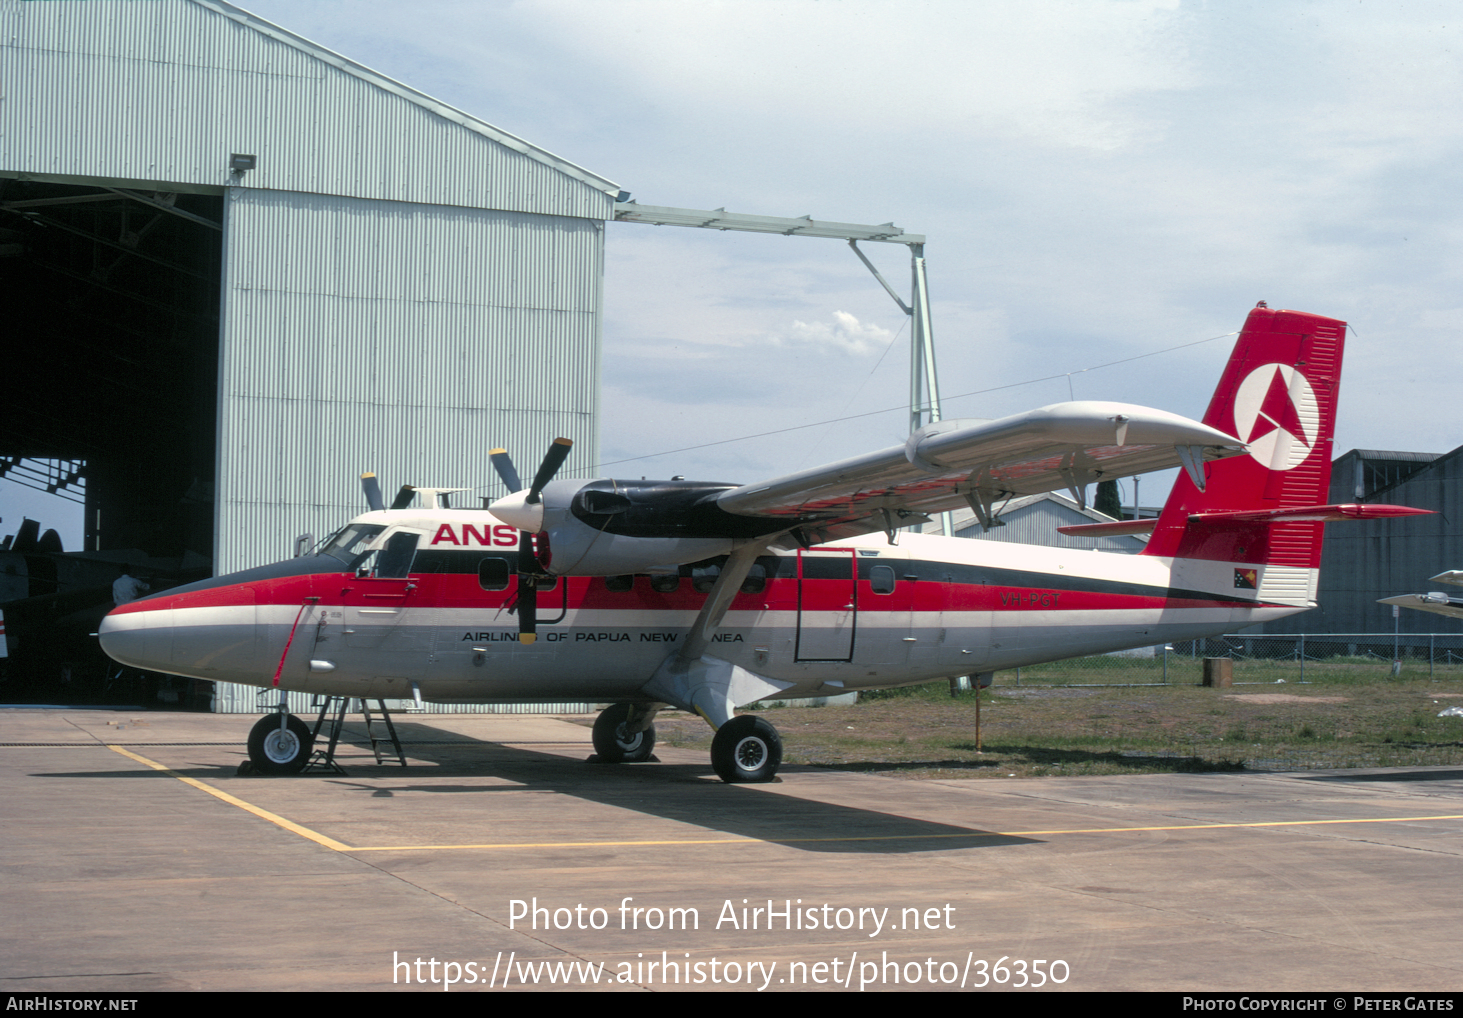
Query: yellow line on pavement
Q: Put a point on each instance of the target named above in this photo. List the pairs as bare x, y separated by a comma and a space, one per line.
898, 837
233, 800
338, 846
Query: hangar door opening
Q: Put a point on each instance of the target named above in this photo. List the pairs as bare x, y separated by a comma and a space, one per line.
112, 324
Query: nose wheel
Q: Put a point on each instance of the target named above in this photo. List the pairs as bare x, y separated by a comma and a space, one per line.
746, 749
273, 750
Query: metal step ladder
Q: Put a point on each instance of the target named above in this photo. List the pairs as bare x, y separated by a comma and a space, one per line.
336, 708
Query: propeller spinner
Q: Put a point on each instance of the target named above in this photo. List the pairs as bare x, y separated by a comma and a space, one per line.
527, 514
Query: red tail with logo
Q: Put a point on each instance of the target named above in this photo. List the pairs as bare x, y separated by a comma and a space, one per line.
1278, 395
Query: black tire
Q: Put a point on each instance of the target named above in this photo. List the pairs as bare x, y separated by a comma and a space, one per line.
611, 742
275, 752
746, 749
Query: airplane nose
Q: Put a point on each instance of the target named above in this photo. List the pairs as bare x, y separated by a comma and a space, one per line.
139, 639
517, 512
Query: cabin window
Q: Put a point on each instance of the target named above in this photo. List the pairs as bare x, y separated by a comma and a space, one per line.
620, 584
756, 580
665, 583
545, 582
881, 580
703, 578
493, 573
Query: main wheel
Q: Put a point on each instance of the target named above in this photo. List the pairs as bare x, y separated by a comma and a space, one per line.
279, 752
616, 745
746, 749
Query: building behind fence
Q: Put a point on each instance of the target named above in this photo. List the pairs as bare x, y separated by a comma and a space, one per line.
1365, 561
1263, 658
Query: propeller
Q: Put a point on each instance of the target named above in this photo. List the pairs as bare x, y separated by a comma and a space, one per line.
372, 489
529, 570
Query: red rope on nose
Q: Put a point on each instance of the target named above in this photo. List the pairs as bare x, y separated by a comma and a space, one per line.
280, 667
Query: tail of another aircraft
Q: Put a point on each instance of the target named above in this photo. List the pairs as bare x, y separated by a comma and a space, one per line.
1262, 512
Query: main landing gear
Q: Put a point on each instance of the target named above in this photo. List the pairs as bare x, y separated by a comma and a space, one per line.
616, 738
276, 749
745, 749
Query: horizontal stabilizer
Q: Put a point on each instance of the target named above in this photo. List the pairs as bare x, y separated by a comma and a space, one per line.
1310, 514
1117, 528
1303, 514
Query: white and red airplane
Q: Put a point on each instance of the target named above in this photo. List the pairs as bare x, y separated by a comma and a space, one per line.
705, 597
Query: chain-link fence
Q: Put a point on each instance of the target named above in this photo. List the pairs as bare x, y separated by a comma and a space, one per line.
1303, 657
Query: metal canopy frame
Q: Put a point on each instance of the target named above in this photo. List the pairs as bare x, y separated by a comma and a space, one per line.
924, 389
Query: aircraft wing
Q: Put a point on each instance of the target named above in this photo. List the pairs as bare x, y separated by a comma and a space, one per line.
961, 462
1436, 602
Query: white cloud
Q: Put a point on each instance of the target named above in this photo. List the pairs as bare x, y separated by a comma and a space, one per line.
845, 334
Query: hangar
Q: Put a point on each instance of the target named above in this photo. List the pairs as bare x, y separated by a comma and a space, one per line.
1365, 562
242, 270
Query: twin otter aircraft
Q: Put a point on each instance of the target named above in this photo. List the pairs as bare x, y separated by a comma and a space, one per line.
704, 597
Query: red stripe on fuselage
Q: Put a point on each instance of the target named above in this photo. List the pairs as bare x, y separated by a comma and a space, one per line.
455, 590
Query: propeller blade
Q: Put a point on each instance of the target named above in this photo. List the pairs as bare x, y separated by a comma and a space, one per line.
503, 464
557, 454
403, 497
372, 490
527, 589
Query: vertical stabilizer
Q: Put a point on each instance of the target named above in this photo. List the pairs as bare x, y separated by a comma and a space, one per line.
1277, 395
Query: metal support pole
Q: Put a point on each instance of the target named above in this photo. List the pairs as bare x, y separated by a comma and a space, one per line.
924, 387
924, 383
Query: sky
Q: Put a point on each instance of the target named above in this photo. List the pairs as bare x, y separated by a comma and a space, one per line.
1098, 180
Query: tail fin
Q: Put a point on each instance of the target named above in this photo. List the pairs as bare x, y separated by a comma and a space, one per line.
1278, 395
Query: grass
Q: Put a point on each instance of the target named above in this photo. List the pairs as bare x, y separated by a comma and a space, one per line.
1345, 715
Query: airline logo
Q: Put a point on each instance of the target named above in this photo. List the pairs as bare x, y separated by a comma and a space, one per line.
1277, 414
468, 535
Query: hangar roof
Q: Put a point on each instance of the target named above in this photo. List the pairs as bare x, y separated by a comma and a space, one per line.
163, 94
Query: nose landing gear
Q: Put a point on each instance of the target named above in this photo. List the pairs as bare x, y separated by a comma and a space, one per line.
279, 750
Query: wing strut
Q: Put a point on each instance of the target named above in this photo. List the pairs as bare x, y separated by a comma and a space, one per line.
706, 685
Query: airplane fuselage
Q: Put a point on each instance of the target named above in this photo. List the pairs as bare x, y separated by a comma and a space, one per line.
856, 615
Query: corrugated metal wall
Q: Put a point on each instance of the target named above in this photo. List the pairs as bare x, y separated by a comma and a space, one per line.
404, 286
230, 698
164, 92
1361, 562
1035, 519
403, 339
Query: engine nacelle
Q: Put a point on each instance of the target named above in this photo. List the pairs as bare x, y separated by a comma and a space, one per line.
605, 527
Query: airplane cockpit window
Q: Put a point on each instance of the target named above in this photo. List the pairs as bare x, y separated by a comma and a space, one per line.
349, 543
394, 562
